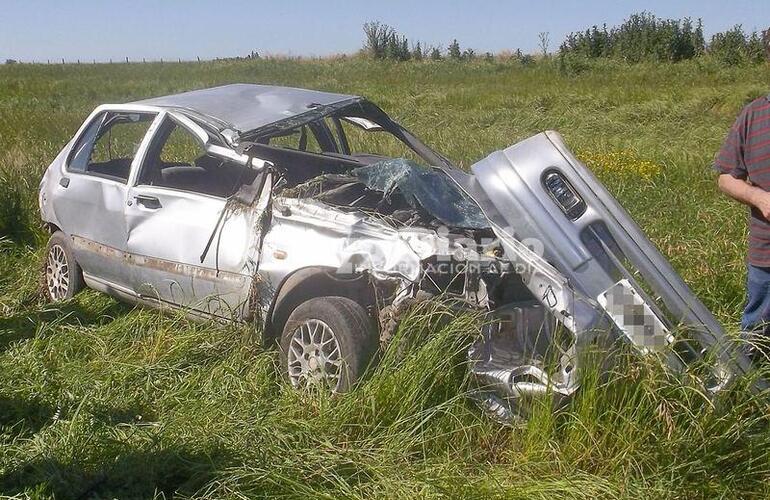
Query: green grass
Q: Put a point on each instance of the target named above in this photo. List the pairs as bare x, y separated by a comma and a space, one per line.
98, 399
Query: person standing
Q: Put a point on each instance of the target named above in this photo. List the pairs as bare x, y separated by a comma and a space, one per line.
743, 164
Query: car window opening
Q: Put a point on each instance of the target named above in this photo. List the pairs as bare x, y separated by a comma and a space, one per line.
176, 160
108, 145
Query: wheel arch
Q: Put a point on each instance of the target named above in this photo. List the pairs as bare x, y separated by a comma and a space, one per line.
51, 227
316, 281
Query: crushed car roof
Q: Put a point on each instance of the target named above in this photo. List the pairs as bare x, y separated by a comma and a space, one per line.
244, 107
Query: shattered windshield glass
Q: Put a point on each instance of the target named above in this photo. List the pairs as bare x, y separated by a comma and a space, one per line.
429, 188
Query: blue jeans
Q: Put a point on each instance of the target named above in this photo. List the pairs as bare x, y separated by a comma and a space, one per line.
756, 315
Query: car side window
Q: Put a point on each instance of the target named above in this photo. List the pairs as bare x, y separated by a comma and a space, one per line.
181, 148
177, 160
109, 144
300, 139
81, 153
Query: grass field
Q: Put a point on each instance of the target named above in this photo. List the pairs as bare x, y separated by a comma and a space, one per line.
98, 399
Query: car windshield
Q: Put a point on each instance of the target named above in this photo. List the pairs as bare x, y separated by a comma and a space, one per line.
428, 188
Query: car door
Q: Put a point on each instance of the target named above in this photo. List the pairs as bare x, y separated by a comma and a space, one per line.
91, 194
187, 246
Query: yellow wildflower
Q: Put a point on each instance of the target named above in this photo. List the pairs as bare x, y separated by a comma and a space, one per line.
623, 164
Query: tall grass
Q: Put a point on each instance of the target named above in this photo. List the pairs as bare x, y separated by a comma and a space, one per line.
98, 399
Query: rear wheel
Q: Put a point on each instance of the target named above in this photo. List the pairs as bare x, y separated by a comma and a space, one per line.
62, 277
327, 342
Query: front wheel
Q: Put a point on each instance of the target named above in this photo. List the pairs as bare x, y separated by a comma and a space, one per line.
328, 342
62, 277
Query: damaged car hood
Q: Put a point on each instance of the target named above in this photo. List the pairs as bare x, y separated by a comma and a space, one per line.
350, 242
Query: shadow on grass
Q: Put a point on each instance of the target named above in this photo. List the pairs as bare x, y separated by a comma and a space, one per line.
130, 413
26, 417
24, 325
126, 475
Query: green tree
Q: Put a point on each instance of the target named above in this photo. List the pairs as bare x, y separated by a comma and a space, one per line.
641, 37
377, 36
755, 49
384, 42
453, 51
766, 43
417, 54
730, 47
699, 42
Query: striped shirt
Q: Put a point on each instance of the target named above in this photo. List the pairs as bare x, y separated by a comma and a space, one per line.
745, 154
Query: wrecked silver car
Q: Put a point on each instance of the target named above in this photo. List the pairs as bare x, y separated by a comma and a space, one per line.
277, 206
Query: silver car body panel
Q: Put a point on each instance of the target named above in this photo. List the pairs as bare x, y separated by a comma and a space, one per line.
512, 181
597, 252
173, 272
136, 253
306, 233
245, 107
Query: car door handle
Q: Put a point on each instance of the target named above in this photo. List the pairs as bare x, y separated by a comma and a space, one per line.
64, 182
150, 202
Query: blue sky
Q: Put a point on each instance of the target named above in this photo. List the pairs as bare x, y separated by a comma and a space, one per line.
90, 29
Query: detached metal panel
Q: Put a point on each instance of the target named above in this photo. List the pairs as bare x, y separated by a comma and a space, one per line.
596, 246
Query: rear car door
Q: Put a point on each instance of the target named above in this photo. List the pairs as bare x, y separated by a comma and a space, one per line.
188, 247
91, 195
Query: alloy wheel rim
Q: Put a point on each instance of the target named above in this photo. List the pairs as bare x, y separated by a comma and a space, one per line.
314, 357
57, 273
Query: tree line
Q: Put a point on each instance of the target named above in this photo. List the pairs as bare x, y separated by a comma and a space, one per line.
643, 37
384, 42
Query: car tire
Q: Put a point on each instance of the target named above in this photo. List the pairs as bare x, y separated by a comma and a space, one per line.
327, 341
61, 276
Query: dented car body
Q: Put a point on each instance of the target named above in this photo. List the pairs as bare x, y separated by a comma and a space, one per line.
249, 202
